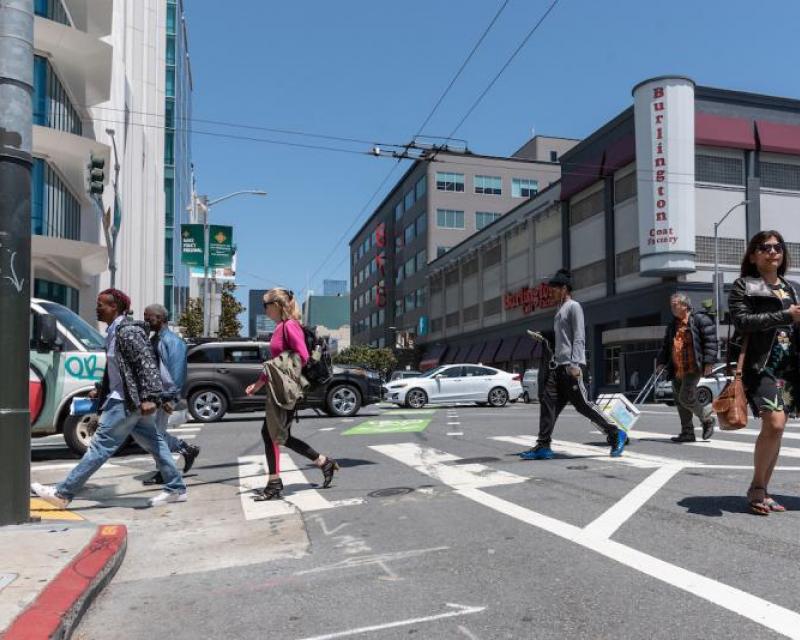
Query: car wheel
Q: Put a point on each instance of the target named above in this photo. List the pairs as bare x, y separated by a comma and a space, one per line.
704, 395
498, 397
526, 398
208, 405
416, 399
343, 401
78, 432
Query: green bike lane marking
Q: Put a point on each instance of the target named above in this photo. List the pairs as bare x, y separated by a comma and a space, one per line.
401, 421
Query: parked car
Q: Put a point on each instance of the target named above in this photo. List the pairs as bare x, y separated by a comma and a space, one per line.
708, 388
457, 383
530, 385
219, 372
402, 374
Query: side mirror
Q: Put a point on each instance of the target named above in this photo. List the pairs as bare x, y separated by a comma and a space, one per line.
45, 333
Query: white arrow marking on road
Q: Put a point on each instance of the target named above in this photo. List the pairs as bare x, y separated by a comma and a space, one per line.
430, 462
768, 614
457, 610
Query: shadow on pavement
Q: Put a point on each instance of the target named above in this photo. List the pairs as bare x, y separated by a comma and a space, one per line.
717, 506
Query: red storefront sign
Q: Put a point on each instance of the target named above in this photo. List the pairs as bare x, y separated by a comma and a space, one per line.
530, 298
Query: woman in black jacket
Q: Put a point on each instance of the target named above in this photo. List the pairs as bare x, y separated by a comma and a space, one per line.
764, 308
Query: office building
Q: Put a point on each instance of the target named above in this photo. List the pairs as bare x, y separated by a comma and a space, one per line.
334, 287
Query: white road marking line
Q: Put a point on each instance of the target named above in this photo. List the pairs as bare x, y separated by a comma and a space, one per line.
755, 432
768, 614
453, 423
327, 429
456, 610
183, 429
455, 433
723, 445
252, 475
467, 632
65, 465
607, 524
431, 462
187, 436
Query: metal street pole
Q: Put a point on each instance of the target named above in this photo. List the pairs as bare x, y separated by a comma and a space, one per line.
16, 133
717, 285
206, 205
112, 249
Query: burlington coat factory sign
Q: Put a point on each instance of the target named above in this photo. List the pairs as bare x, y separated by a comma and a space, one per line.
664, 120
530, 299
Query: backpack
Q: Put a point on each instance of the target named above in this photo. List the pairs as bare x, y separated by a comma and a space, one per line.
319, 368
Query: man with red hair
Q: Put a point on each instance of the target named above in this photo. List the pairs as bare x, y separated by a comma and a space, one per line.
131, 388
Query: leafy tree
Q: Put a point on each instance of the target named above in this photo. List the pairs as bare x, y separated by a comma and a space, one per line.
382, 360
191, 320
229, 325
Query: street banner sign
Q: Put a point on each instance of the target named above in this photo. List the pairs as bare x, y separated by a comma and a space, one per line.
192, 245
220, 246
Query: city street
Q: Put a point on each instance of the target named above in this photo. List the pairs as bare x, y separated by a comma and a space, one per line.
435, 529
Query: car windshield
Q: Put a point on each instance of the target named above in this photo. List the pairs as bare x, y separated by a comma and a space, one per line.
88, 336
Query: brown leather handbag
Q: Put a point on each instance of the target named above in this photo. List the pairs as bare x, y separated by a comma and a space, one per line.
731, 405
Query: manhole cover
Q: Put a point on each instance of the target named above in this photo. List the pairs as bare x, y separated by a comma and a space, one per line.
578, 467
391, 491
476, 460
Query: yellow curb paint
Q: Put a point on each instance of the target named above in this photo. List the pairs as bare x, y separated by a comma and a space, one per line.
47, 511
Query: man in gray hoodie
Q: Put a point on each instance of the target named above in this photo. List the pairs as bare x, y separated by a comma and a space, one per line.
565, 382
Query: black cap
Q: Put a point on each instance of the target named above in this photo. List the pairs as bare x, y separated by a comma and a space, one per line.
561, 278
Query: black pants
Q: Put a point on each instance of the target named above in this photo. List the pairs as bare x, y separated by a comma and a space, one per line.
559, 389
273, 453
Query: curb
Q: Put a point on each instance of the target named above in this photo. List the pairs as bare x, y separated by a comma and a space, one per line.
60, 606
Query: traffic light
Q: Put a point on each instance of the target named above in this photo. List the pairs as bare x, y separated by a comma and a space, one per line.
97, 175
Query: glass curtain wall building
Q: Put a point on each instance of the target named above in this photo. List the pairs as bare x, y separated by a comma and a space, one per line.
177, 156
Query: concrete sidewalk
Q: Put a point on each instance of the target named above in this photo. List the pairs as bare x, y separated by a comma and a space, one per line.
51, 571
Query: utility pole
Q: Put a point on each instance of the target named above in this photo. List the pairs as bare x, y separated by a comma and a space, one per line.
16, 133
202, 201
113, 229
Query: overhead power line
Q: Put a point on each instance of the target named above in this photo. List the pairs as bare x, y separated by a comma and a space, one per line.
504, 67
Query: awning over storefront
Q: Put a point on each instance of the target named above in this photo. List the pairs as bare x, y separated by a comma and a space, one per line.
524, 348
461, 354
432, 357
778, 137
487, 355
474, 353
506, 349
721, 131
620, 153
450, 355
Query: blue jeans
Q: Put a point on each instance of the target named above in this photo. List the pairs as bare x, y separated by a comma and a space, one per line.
114, 428
175, 445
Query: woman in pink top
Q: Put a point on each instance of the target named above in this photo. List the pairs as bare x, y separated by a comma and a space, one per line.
282, 308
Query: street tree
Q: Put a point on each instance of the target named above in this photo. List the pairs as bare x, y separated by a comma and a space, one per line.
382, 360
229, 325
191, 320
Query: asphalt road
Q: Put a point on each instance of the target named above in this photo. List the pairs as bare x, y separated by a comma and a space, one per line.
435, 529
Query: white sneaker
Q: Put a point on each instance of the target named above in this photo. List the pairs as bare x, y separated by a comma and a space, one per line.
48, 493
168, 496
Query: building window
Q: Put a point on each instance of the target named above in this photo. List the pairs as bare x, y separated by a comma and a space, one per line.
398, 210
731, 250
470, 267
485, 218
422, 259
452, 319
492, 307
54, 210
719, 170
775, 175
411, 301
410, 267
421, 224
451, 277
440, 251
489, 185
169, 84
409, 200
171, 17
399, 275
627, 262
449, 219
169, 261
398, 307
554, 156
625, 188
436, 324
169, 147
449, 181
422, 298
587, 207
612, 369
52, 10
169, 200
421, 187
590, 275
524, 187
492, 256
471, 313
409, 233
170, 50
52, 106
56, 292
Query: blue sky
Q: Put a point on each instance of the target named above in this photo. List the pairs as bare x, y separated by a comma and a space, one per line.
372, 70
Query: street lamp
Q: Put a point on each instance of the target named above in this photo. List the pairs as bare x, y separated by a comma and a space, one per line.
717, 285
206, 205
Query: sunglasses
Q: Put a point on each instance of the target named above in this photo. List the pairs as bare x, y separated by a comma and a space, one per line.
266, 304
768, 247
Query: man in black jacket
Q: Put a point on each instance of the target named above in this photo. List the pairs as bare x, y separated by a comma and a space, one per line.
689, 352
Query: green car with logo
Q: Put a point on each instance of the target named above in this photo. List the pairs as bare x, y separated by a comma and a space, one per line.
67, 358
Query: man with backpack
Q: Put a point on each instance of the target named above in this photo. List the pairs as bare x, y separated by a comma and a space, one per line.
689, 352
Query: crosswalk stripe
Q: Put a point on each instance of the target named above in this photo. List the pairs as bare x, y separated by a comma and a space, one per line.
716, 443
252, 475
432, 462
